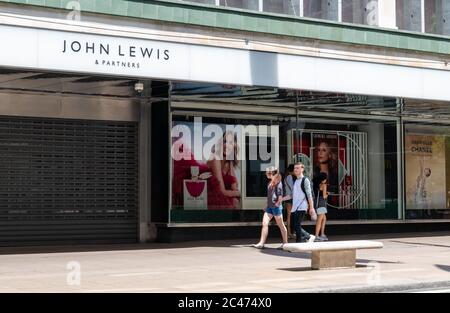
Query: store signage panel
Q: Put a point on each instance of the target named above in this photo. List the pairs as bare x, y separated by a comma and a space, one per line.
43, 49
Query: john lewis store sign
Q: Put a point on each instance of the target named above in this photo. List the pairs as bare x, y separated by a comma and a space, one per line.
107, 54
43, 49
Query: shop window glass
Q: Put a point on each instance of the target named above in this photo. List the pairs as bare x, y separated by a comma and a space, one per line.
359, 156
207, 189
427, 171
202, 1
425, 109
323, 9
360, 12
437, 17
241, 4
290, 7
408, 15
360, 160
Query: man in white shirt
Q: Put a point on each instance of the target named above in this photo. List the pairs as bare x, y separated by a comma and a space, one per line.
302, 203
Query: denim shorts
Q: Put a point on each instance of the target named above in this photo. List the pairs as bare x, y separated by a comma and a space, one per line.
322, 210
275, 211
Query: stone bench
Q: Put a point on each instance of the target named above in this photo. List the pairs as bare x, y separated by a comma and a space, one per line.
332, 254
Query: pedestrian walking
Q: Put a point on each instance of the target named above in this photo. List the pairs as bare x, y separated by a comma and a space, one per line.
302, 202
288, 186
273, 208
321, 194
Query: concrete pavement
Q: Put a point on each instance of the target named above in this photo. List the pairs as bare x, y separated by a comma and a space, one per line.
410, 262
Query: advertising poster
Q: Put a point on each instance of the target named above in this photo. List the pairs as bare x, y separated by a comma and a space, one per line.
447, 172
326, 152
425, 172
206, 171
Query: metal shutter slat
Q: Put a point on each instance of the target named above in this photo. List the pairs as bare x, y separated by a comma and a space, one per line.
68, 181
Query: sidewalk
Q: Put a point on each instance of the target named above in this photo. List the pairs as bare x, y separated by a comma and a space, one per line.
405, 262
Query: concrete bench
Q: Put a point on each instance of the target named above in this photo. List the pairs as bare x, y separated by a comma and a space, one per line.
332, 254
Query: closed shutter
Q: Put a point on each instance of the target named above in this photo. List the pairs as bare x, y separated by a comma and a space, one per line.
68, 181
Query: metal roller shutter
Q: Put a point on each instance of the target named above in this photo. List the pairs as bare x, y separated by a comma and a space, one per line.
68, 181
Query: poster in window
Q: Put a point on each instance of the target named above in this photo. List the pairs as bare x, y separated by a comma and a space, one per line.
322, 151
205, 170
325, 152
425, 172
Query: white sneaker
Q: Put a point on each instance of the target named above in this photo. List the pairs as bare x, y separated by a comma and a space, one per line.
312, 238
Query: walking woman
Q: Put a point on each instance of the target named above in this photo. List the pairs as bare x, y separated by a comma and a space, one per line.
321, 193
273, 209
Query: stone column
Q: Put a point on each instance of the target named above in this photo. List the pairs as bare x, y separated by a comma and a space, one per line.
144, 164
375, 164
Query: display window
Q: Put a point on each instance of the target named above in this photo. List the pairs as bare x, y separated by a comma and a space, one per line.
220, 153
427, 171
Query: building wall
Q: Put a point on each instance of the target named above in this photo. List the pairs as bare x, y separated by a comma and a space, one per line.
330, 53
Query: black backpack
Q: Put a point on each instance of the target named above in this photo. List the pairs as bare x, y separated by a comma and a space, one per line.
302, 186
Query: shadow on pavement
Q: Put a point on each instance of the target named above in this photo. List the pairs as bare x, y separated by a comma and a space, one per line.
307, 256
421, 243
235, 243
276, 252
305, 269
377, 261
296, 269
443, 267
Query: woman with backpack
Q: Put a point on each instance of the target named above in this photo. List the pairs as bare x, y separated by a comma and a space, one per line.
274, 208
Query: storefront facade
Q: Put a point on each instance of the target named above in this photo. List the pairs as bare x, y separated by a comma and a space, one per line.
112, 118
